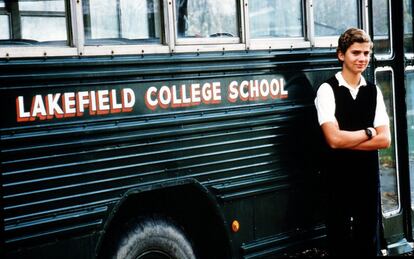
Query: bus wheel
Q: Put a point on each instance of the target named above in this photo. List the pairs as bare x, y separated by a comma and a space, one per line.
154, 238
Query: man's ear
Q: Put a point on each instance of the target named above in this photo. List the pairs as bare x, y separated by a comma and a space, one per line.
341, 56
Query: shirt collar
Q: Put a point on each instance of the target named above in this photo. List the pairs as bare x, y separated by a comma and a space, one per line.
342, 81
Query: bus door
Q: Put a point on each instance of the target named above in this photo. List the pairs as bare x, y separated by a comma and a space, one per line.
390, 69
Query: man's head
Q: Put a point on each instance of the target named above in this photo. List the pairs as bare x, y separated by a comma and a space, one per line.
351, 36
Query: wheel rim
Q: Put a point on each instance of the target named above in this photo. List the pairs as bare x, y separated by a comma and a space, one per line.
154, 254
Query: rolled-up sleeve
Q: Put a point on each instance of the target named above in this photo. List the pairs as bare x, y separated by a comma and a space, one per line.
325, 104
381, 116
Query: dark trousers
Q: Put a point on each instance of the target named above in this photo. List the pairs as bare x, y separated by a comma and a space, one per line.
354, 220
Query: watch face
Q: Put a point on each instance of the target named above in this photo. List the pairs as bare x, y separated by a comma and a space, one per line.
369, 133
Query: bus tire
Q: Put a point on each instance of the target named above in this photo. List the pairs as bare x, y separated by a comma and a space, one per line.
154, 238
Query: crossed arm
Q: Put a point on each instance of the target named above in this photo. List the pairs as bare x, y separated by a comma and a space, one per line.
356, 140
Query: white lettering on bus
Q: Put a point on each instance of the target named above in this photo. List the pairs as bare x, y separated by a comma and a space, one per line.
111, 101
252, 90
75, 103
183, 95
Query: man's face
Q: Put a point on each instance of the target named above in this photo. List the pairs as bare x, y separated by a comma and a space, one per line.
356, 57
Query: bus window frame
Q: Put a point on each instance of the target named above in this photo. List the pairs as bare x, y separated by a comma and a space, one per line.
410, 55
207, 44
410, 69
170, 44
5, 13
276, 42
398, 209
332, 41
130, 49
383, 56
42, 50
76, 41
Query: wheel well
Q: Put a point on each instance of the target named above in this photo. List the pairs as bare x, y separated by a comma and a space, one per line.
189, 205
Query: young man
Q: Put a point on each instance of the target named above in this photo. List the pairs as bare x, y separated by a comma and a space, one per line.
355, 124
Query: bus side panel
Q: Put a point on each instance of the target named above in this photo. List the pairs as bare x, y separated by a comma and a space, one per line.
64, 168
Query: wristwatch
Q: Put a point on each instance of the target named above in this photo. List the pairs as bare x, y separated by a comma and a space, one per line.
369, 133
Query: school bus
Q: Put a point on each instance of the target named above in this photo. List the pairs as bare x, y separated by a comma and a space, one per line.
186, 128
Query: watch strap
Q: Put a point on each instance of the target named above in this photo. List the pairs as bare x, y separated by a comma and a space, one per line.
368, 132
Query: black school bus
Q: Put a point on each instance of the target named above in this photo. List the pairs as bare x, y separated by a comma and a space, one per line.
186, 128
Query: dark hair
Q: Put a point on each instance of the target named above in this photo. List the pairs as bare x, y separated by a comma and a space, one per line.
350, 36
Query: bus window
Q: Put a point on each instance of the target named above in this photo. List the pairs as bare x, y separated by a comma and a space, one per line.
408, 26
4, 27
410, 125
387, 157
381, 21
33, 22
332, 17
116, 21
276, 18
215, 19
4, 22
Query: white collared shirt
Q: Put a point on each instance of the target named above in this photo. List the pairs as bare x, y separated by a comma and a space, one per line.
325, 102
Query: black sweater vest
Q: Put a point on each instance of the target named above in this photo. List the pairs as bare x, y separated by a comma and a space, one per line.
354, 114
346, 166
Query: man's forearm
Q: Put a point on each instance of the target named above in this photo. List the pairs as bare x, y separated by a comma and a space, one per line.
342, 139
380, 141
